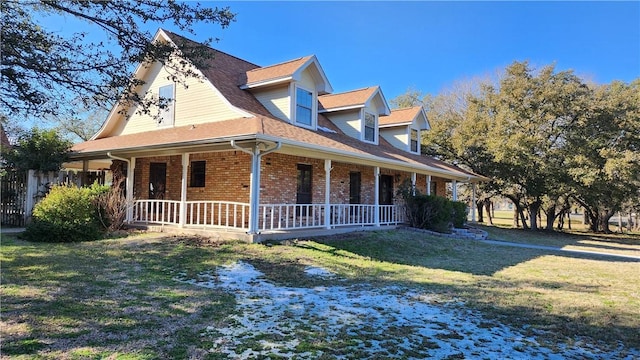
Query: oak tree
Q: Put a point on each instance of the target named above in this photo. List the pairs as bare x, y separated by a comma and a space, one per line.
43, 69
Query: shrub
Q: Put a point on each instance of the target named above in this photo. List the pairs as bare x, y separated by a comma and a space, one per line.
66, 214
112, 206
433, 212
460, 213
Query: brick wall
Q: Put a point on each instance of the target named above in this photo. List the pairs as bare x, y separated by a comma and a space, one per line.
173, 179
228, 176
440, 186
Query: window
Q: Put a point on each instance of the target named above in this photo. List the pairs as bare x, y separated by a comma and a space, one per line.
369, 127
167, 99
414, 140
354, 187
304, 106
198, 171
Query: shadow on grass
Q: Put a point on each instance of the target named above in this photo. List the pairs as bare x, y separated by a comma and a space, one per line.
118, 299
613, 241
467, 256
522, 299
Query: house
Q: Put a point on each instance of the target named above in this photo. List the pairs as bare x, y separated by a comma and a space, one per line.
260, 152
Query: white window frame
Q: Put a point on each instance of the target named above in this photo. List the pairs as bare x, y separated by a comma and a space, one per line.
375, 127
411, 130
314, 107
169, 111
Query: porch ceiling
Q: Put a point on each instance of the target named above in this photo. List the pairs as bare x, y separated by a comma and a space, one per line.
100, 158
371, 160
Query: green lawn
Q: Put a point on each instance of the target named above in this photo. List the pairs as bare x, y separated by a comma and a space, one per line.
505, 218
119, 298
624, 244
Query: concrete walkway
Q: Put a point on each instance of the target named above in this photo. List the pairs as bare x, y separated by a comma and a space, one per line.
552, 248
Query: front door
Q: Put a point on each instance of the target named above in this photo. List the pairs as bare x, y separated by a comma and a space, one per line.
157, 180
386, 190
354, 187
303, 191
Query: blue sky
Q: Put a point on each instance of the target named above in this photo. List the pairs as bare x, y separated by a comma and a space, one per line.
427, 45
430, 45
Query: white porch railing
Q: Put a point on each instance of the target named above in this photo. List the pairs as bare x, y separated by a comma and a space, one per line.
353, 215
296, 216
156, 211
291, 216
218, 214
235, 215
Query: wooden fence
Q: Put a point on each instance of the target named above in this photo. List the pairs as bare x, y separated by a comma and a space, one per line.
13, 190
21, 191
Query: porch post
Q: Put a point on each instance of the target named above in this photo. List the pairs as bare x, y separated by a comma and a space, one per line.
254, 192
256, 152
376, 197
131, 168
183, 190
413, 184
85, 173
473, 202
454, 190
428, 184
327, 193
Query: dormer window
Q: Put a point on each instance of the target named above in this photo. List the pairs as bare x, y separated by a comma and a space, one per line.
369, 127
414, 140
304, 107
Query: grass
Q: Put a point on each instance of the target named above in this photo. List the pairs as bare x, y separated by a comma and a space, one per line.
614, 243
118, 298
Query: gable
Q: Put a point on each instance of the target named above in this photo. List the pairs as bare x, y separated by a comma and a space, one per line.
197, 101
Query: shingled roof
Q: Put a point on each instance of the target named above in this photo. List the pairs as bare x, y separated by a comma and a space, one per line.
273, 72
223, 71
346, 99
402, 116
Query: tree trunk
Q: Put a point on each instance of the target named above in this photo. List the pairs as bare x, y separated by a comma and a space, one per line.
604, 217
480, 211
534, 210
569, 219
586, 219
560, 220
523, 218
518, 212
551, 216
591, 218
487, 206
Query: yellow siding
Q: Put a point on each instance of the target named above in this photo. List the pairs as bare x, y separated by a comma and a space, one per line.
376, 105
197, 103
307, 81
348, 121
396, 136
371, 109
276, 100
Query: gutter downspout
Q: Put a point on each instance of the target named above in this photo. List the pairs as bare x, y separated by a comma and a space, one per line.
128, 184
254, 194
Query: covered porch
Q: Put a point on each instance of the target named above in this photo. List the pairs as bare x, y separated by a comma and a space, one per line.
255, 188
